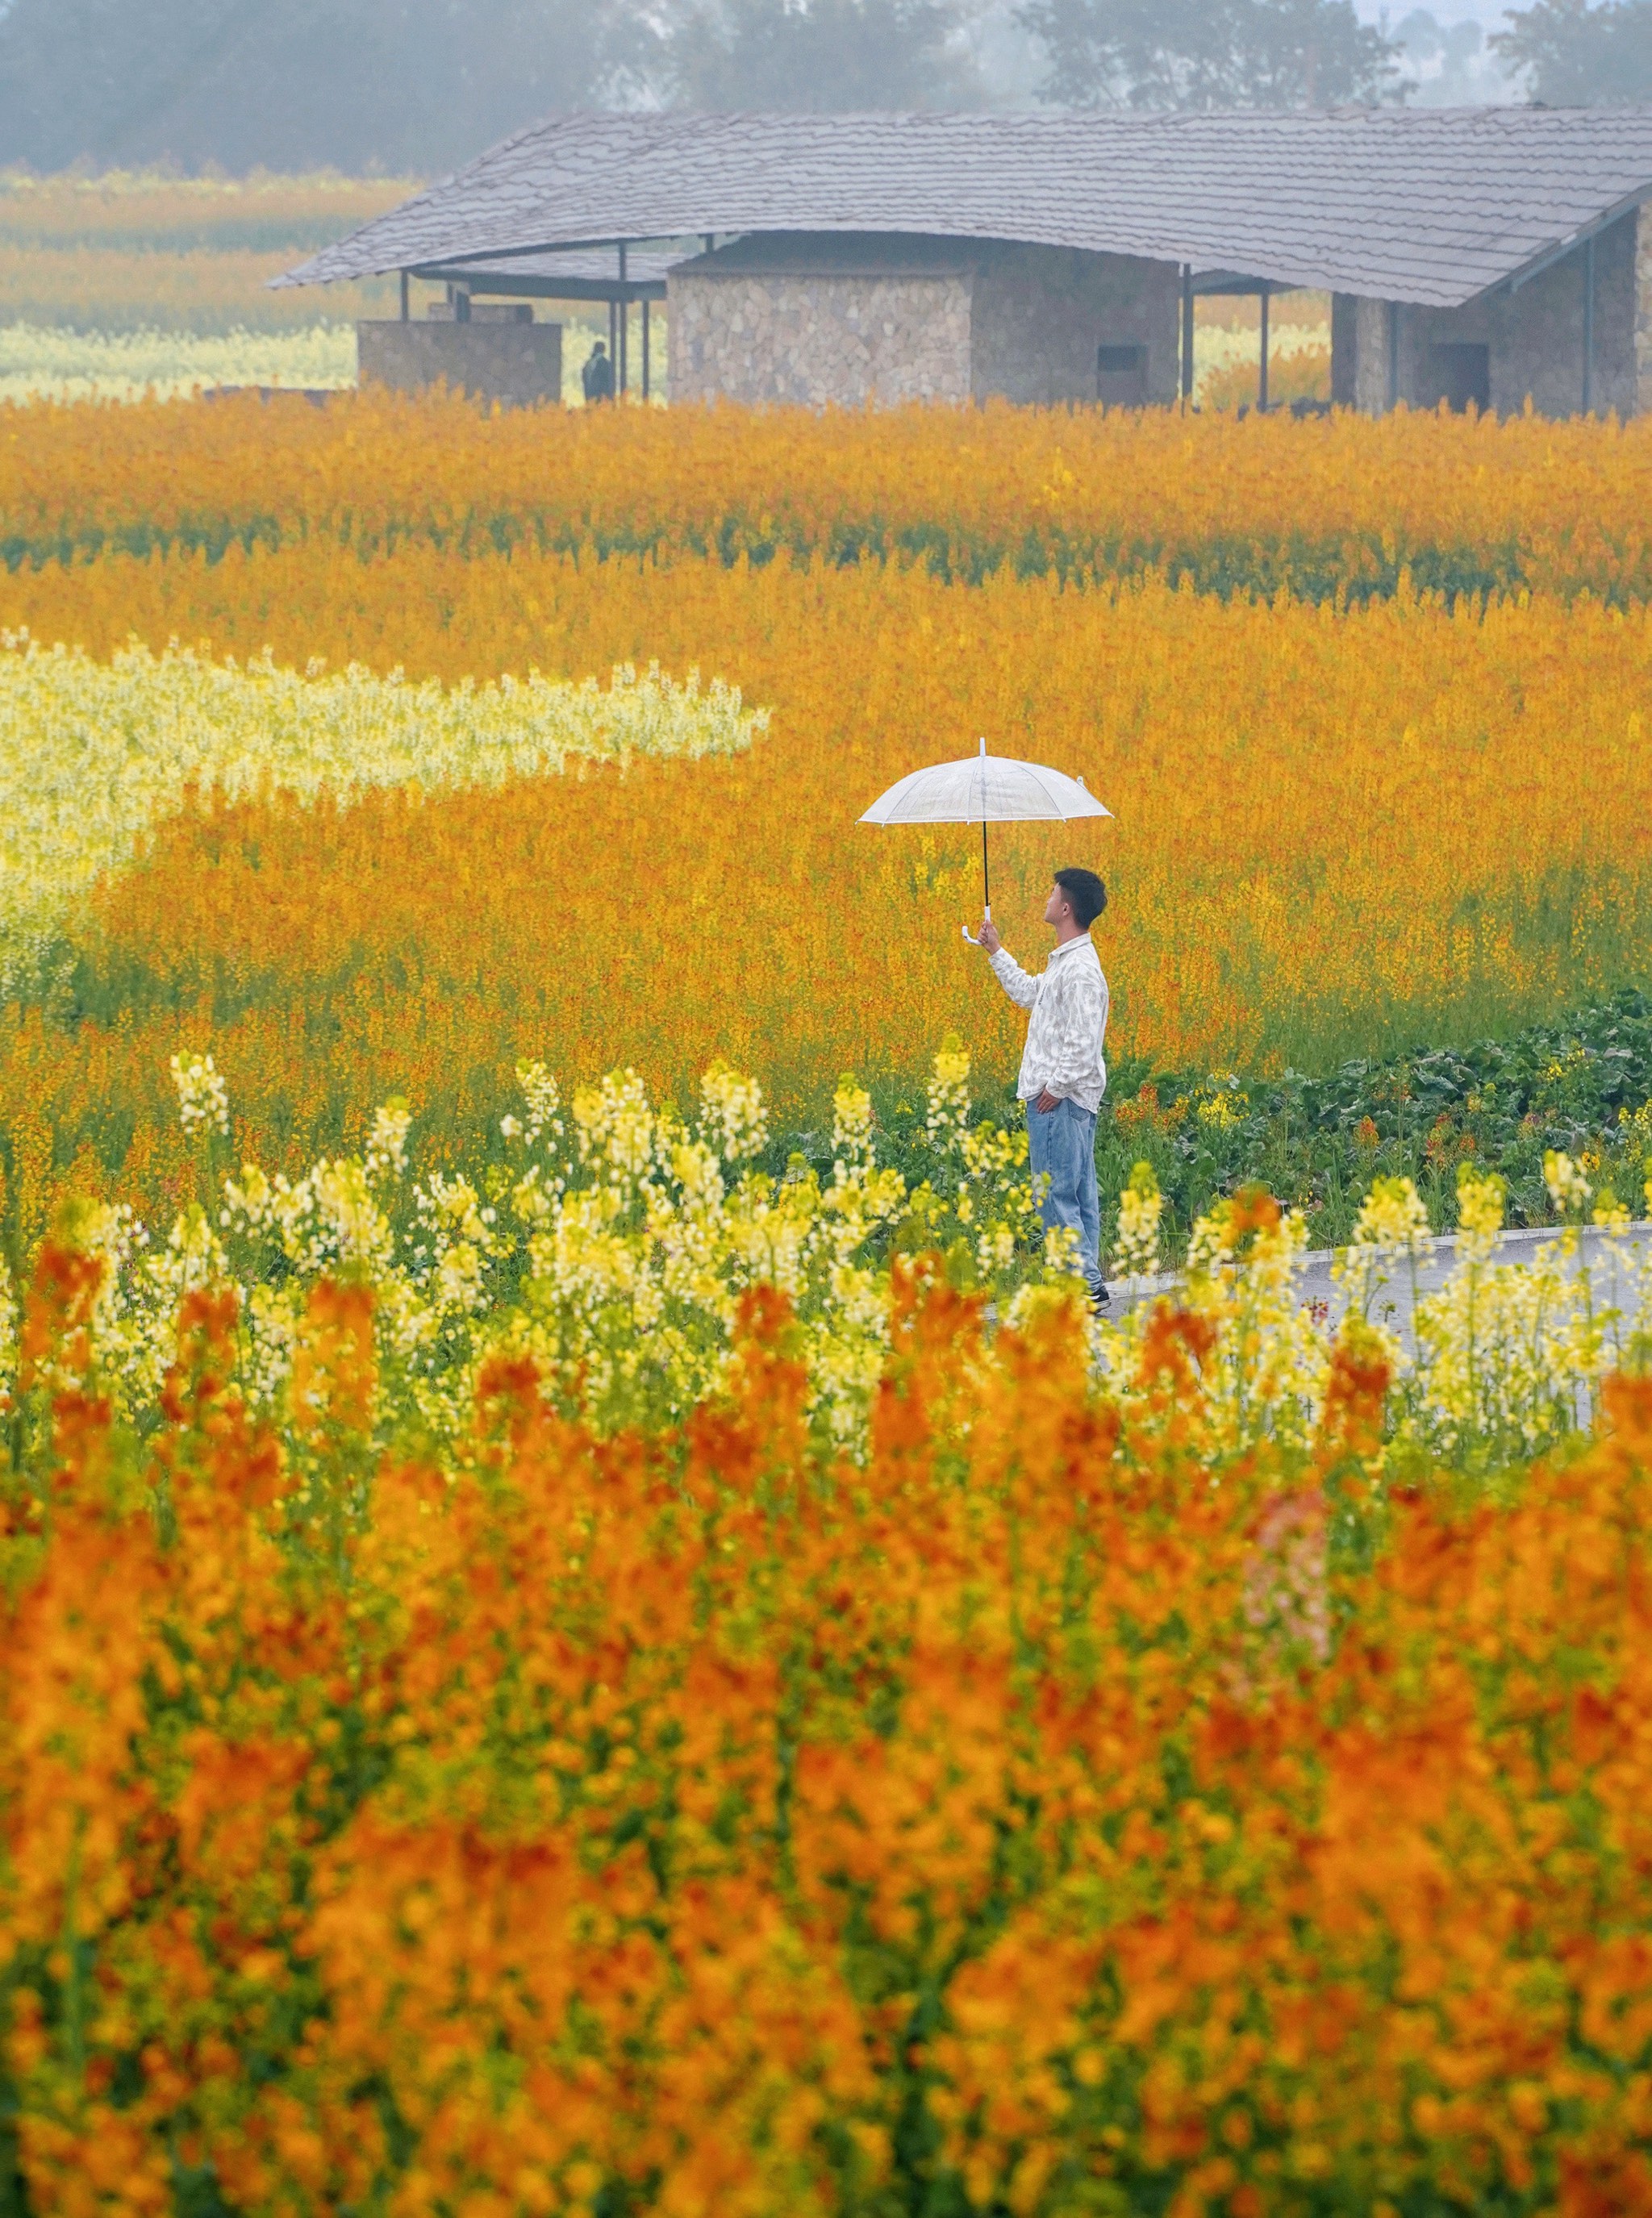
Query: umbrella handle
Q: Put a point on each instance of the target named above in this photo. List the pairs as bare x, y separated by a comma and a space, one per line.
968, 934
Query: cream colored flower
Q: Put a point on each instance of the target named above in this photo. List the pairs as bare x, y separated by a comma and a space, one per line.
732, 1114
1481, 1196
1141, 1206
203, 1093
387, 1149
1392, 1227
851, 1123
947, 1113
1568, 1187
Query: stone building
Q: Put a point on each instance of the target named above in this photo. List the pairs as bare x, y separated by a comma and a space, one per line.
817, 317
1575, 338
1484, 258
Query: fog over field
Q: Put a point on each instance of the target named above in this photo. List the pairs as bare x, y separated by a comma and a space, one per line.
418, 86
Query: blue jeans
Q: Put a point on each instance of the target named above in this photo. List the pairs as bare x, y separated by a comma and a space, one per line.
1061, 1142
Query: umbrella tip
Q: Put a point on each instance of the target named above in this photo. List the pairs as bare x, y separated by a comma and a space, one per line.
984, 746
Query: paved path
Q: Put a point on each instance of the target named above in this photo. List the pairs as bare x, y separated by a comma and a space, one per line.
1393, 1304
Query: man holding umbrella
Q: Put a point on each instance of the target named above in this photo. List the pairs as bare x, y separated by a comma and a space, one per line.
1062, 1076
1063, 1071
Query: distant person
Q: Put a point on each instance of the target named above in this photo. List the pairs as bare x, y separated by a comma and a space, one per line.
598, 375
1062, 1073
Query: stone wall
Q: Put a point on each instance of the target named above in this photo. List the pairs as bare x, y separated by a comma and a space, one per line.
1533, 339
1536, 333
1041, 315
815, 338
482, 311
818, 318
519, 364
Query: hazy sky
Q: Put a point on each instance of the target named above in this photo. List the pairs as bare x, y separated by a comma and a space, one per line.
1451, 72
1488, 13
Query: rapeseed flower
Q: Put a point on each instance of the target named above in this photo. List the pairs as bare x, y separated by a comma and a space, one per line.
97, 753
202, 1096
1135, 1249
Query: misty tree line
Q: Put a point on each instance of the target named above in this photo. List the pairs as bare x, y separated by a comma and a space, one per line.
421, 85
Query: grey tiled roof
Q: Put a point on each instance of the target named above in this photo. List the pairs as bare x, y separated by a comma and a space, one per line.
1427, 205
587, 272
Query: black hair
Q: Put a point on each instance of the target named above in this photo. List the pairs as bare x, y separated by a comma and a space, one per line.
1086, 893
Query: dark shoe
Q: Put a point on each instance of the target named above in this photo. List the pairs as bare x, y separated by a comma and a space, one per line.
1100, 1299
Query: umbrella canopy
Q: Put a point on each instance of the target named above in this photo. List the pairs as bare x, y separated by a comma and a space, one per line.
984, 789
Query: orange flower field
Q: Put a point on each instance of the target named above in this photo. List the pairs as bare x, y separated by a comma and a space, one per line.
590, 1627
1335, 831
542, 1824
1336, 507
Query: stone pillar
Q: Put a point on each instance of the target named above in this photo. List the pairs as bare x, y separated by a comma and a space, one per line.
1389, 339
1371, 356
1344, 349
517, 365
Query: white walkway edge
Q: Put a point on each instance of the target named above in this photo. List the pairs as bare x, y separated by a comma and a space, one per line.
1393, 1304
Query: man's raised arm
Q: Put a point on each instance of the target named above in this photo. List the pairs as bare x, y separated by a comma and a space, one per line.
1020, 989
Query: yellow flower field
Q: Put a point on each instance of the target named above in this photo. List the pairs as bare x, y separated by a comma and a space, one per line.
1335, 509
1339, 828
46, 362
134, 250
124, 207
1334, 831
130, 282
593, 1628
115, 285
735, 1719
94, 754
1298, 368
96, 295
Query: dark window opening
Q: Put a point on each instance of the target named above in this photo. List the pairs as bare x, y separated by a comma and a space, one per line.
1460, 374
1121, 376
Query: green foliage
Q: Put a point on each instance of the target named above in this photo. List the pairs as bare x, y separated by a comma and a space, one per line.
1348, 569
1159, 54
1580, 1085
831, 55
1573, 55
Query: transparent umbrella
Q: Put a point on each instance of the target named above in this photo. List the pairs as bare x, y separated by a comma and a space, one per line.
984, 789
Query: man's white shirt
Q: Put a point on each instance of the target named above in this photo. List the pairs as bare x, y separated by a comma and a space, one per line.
1068, 1027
